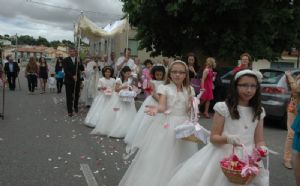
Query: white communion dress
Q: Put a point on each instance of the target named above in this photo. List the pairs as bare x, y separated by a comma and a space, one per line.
203, 168
161, 152
117, 118
100, 102
141, 122
89, 91
124, 117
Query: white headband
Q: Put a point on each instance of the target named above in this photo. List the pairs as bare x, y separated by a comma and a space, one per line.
180, 62
247, 71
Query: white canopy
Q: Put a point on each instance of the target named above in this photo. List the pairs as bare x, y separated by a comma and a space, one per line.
87, 28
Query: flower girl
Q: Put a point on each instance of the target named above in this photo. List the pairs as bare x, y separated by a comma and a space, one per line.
52, 83
119, 113
106, 86
161, 153
238, 120
142, 121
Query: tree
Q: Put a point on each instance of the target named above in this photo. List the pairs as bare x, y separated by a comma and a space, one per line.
223, 29
25, 40
55, 44
68, 43
42, 41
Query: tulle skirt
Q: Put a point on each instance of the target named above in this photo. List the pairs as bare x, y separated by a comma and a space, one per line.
139, 125
159, 155
104, 121
203, 169
96, 109
123, 120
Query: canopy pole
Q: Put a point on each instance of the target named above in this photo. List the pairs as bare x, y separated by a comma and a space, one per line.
127, 33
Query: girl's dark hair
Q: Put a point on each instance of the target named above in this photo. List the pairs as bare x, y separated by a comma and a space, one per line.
123, 71
148, 61
104, 69
59, 59
57, 67
196, 65
157, 69
43, 60
232, 99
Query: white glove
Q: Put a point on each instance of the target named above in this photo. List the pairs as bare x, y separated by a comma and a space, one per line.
265, 150
233, 139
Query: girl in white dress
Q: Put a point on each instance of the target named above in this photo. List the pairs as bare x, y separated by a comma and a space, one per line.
238, 120
118, 115
126, 110
106, 86
142, 121
161, 152
89, 91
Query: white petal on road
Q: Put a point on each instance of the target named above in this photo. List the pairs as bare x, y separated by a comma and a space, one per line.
49, 159
55, 100
77, 176
69, 153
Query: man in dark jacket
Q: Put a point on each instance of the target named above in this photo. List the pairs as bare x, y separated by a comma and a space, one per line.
11, 69
72, 69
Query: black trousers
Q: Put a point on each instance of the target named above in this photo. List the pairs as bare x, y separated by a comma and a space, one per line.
72, 102
59, 84
32, 81
11, 78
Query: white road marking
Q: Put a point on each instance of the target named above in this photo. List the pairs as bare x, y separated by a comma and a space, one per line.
89, 177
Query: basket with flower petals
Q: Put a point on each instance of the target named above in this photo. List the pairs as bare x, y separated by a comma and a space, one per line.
240, 171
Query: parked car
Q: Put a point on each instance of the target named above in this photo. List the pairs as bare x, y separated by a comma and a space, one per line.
275, 92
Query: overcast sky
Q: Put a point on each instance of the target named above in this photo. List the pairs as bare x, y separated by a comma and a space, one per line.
54, 19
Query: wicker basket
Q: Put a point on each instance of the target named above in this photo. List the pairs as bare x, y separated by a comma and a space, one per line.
192, 138
234, 176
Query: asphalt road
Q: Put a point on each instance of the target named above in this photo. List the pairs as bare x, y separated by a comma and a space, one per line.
40, 145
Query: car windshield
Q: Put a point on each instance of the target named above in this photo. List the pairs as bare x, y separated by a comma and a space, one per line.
228, 76
271, 77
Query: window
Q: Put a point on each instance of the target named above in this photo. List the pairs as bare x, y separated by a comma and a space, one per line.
105, 47
133, 44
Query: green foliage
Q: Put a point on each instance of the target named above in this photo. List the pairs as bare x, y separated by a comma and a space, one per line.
42, 41
29, 40
223, 29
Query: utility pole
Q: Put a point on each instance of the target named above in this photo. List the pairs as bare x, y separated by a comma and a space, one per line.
16, 55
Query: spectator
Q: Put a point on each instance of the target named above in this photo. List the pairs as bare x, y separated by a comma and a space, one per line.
207, 85
244, 63
125, 60
11, 69
193, 65
112, 61
31, 72
59, 74
43, 74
